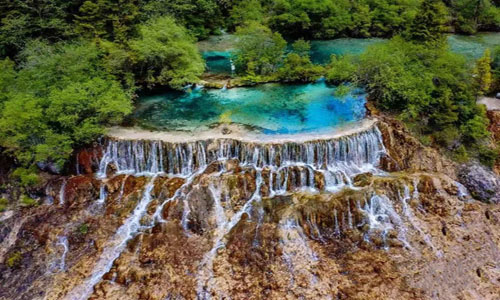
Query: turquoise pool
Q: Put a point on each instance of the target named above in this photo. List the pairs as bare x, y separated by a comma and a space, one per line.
269, 108
473, 47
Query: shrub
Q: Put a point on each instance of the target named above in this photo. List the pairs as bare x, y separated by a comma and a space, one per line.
341, 69
3, 204
14, 259
460, 154
26, 177
83, 229
487, 156
27, 201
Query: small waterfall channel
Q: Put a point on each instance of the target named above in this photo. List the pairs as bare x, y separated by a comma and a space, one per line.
317, 166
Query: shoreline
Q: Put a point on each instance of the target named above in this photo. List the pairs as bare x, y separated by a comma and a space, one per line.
237, 132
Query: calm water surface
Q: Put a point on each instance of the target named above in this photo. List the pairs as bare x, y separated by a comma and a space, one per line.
270, 108
472, 47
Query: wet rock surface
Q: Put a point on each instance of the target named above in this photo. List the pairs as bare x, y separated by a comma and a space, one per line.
247, 229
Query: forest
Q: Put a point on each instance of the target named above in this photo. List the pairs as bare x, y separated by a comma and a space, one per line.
72, 68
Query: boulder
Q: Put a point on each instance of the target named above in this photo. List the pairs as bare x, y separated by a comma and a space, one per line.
483, 184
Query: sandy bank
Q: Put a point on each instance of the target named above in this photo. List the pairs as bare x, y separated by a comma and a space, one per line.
491, 103
236, 132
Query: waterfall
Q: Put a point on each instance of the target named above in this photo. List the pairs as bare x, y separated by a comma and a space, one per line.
115, 247
381, 218
298, 256
463, 193
63, 242
284, 167
408, 213
102, 194
122, 188
338, 159
62, 192
205, 272
233, 67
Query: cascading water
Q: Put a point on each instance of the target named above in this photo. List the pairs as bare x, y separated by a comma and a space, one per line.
295, 249
102, 194
282, 167
62, 193
115, 247
382, 217
408, 213
337, 159
62, 242
223, 228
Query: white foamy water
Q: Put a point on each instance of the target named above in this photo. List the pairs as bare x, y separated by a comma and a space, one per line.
114, 247
102, 194
298, 256
381, 217
62, 242
408, 213
62, 193
205, 272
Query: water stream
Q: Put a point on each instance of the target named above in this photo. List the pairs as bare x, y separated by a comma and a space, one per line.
114, 247
279, 168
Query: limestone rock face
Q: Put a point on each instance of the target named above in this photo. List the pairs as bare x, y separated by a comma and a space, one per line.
234, 221
494, 116
405, 152
483, 184
494, 128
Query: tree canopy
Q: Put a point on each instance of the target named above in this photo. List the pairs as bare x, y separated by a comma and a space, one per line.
61, 97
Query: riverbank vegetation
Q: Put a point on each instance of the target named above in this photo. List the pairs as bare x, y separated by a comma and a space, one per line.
71, 68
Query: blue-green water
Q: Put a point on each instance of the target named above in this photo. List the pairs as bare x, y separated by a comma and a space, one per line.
217, 62
321, 51
271, 108
472, 47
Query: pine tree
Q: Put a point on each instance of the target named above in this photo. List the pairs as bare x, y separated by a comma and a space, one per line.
482, 73
113, 20
430, 22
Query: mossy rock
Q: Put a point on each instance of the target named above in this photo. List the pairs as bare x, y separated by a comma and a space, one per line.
363, 179
14, 259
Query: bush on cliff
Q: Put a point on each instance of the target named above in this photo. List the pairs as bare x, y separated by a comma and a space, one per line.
4, 203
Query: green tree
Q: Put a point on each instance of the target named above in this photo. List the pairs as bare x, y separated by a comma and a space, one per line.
7, 79
260, 51
246, 11
301, 47
471, 15
299, 68
341, 69
165, 54
62, 98
427, 85
200, 17
22, 20
430, 24
111, 19
482, 72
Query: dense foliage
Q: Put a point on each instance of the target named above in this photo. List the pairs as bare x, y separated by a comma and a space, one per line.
259, 51
70, 68
427, 86
60, 98
117, 21
165, 54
